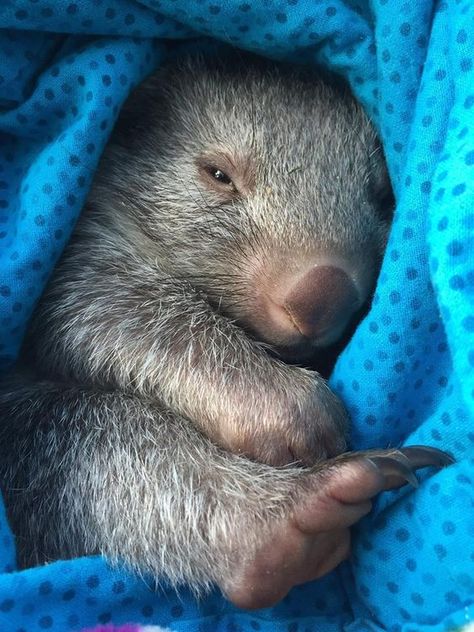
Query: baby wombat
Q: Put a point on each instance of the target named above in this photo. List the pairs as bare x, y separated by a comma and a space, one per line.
237, 220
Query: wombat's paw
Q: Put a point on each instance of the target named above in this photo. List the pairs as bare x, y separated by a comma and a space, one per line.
316, 428
315, 537
298, 421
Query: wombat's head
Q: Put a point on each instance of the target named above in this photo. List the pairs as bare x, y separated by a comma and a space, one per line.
264, 187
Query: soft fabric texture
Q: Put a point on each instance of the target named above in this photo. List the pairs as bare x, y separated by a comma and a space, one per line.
408, 374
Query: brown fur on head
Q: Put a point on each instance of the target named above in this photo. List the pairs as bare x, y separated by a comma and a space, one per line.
247, 189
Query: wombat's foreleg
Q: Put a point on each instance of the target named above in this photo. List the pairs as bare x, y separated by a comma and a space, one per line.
86, 472
123, 326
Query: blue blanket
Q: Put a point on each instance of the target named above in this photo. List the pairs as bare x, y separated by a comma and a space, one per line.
408, 374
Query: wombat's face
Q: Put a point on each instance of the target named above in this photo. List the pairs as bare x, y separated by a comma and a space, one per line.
266, 190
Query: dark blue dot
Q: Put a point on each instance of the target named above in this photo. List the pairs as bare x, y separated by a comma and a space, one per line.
6, 605
281, 17
46, 622
417, 599
72, 9
440, 74
405, 28
449, 527
104, 617
439, 194
455, 248
440, 551
402, 534
466, 64
93, 581
118, 587
129, 19
177, 611
411, 565
214, 9
21, 14
459, 188
443, 223
461, 37
421, 41
452, 598
425, 186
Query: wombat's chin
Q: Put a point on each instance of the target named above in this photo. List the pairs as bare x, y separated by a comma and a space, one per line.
304, 350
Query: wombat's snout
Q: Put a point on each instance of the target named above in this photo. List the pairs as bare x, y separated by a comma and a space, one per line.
321, 301
311, 307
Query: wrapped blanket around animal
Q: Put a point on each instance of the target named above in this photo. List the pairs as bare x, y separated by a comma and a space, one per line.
407, 376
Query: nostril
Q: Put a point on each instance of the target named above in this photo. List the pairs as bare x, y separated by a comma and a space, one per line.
323, 299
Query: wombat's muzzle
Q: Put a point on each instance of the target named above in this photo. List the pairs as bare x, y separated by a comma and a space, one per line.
311, 308
321, 303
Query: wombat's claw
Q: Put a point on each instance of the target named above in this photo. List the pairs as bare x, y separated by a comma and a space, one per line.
405, 461
395, 464
423, 456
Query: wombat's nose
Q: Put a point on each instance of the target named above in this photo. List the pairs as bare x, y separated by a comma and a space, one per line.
321, 302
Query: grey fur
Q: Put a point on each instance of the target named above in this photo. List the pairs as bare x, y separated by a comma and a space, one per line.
149, 335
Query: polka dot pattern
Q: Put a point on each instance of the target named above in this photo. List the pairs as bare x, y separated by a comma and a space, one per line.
406, 377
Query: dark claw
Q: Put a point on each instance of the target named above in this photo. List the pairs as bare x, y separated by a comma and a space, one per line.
423, 456
405, 461
393, 465
399, 463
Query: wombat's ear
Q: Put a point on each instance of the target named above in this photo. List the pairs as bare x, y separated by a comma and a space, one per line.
380, 185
